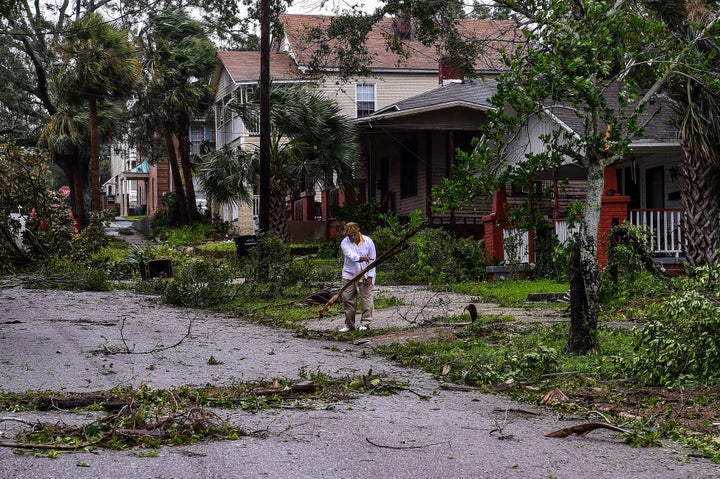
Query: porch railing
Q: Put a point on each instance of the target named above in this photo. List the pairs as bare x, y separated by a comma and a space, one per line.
662, 223
564, 230
664, 226
516, 246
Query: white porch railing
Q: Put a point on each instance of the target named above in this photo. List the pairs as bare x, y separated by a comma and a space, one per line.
518, 243
664, 225
565, 230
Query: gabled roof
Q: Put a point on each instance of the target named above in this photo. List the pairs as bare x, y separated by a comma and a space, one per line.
471, 94
658, 119
494, 35
475, 94
245, 66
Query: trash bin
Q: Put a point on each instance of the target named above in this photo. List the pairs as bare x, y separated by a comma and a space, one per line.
140, 210
156, 268
243, 243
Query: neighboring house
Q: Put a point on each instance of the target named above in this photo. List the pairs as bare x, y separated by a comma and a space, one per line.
392, 78
121, 194
236, 78
142, 184
410, 146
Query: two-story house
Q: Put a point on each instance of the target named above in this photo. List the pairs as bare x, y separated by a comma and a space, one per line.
392, 79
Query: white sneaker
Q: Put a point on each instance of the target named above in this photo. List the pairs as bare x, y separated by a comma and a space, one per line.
362, 328
344, 329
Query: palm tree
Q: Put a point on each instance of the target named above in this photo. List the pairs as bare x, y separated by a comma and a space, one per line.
312, 143
99, 62
66, 137
179, 60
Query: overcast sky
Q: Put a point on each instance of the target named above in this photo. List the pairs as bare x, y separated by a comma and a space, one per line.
330, 6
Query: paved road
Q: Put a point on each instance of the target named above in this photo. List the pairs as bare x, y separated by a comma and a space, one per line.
50, 340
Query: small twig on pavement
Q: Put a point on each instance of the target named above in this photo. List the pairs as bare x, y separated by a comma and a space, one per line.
419, 446
156, 349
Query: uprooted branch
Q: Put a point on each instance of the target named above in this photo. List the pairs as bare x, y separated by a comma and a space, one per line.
584, 429
419, 446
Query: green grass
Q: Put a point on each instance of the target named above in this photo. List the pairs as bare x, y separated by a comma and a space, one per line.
218, 246
491, 352
510, 292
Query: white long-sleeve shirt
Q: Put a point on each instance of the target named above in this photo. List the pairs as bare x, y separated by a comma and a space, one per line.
353, 252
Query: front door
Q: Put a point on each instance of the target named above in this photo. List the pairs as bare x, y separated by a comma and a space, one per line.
655, 187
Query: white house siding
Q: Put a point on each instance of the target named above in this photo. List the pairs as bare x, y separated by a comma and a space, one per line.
390, 88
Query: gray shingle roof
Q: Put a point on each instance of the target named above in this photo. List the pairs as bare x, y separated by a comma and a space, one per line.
473, 93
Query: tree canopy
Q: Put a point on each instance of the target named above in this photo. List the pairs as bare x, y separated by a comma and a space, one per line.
599, 65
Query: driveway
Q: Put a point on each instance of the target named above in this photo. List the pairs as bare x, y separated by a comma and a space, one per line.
57, 340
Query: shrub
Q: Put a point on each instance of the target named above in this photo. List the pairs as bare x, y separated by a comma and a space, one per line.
167, 215
201, 284
681, 343
190, 235
434, 257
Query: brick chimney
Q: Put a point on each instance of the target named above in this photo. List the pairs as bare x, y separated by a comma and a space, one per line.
446, 72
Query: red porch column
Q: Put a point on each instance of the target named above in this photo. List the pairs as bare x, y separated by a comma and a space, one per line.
308, 205
494, 224
614, 207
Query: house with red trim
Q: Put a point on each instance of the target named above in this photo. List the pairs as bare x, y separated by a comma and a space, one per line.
410, 146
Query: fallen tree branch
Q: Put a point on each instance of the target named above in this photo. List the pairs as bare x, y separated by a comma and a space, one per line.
584, 429
420, 446
389, 253
303, 386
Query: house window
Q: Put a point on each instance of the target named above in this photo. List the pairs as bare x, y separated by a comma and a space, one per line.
365, 100
198, 135
408, 170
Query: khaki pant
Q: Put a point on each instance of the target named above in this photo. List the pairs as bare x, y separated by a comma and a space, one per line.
349, 297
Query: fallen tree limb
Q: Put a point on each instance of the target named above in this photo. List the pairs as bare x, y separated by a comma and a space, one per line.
584, 429
420, 446
303, 386
389, 253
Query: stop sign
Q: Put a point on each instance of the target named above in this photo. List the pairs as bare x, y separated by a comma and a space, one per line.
64, 191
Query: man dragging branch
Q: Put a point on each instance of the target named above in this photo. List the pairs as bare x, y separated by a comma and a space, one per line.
359, 251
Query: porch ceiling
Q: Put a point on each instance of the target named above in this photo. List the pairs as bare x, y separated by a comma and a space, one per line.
134, 176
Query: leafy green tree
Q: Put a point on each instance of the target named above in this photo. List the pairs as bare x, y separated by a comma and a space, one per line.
179, 59
312, 143
581, 59
341, 43
23, 172
99, 62
66, 137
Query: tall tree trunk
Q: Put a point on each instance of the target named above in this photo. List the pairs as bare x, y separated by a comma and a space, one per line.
95, 203
78, 191
177, 179
187, 176
701, 200
584, 275
278, 209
